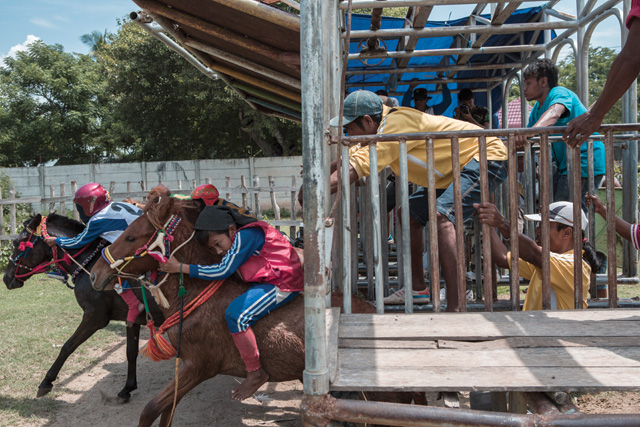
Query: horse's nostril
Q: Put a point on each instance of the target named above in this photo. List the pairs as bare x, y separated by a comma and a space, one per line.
92, 277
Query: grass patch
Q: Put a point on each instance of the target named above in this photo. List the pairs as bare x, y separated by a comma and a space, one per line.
36, 321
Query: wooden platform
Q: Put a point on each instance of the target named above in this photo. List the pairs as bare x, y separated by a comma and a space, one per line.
583, 350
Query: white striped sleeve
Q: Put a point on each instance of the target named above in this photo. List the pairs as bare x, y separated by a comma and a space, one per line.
635, 235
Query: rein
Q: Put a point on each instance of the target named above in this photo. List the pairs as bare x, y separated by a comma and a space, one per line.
41, 233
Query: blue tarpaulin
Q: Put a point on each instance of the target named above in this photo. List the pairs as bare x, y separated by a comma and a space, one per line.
363, 22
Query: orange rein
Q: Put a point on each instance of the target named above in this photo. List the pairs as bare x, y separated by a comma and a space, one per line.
158, 347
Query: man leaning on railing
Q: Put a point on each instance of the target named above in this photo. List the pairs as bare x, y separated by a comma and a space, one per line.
364, 114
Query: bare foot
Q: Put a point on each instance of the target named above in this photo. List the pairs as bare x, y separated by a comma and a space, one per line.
250, 385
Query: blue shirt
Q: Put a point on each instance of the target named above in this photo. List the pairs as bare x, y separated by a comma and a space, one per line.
246, 242
108, 223
561, 95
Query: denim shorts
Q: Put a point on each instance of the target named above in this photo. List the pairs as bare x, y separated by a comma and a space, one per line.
469, 186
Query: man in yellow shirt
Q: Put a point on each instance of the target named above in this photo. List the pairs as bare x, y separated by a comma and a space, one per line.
364, 114
560, 255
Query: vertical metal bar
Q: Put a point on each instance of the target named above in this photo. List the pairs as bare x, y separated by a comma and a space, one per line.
365, 215
293, 228
612, 268
591, 214
314, 150
353, 235
571, 165
513, 219
544, 225
375, 220
486, 230
459, 226
529, 187
384, 229
345, 205
398, 235
577, 228
434, 264
405, 246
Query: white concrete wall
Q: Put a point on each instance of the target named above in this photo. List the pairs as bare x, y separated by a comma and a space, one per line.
35, 181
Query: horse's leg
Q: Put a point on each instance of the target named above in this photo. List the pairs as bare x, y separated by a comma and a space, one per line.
133, 337
89, 325
189, 376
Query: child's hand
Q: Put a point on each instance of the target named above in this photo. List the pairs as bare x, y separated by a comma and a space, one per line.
171, 266
51, 241
598, 206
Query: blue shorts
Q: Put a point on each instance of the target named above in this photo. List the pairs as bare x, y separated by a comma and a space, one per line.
469, 186
257, 302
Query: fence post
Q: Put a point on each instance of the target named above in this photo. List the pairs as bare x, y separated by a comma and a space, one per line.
42, 186
52, 194
243, 183
274, 203
63, 193
194, 184
207, 180
292, 229
227, 182
143, 185
74, 188
12, 212
179, 184
128, 186
256, 197
1, 215
112, 187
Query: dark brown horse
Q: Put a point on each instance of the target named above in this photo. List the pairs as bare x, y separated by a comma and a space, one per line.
99, 308
206, 346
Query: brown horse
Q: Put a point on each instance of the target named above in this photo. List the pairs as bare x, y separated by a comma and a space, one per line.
206, 346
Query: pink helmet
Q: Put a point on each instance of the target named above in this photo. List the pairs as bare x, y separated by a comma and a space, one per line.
92, 198
208, 193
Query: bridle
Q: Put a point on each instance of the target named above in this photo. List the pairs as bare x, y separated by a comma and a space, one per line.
160, 239
41, 233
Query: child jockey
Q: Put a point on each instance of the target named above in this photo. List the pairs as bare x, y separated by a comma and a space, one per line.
265, 259
107, 220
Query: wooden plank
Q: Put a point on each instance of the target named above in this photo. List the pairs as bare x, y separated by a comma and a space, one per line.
554, 357
332, 325
470, 378
523, 342
477, 332
509, 316
365, 343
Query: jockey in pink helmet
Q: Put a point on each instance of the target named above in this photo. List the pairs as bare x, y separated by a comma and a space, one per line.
105, 219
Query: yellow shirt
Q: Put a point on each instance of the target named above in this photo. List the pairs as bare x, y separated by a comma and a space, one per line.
409, 120
561, 277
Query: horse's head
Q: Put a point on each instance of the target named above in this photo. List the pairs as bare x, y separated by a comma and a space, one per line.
143, 244
29, 251
155, 196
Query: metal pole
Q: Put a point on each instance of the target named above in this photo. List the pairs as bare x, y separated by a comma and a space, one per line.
315, 156
345, 204
375, 220
405, 243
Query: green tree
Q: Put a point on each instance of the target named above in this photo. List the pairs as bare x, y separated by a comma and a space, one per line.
95, 40
163, 108
50, 107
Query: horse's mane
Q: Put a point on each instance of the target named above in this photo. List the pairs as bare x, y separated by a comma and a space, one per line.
70, 226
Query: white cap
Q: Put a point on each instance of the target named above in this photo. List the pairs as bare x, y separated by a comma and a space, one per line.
561, 212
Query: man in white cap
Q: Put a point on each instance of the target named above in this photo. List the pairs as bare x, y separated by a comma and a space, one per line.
364, 114
560, 256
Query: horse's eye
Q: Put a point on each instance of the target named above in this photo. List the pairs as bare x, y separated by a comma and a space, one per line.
130, 239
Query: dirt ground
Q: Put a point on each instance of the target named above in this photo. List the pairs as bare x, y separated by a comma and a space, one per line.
87, 398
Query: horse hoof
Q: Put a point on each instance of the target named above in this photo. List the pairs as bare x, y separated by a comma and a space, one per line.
121, 400
43, 391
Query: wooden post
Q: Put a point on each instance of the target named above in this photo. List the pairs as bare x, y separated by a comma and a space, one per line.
517, 402
207, 180
143, 186
129, 187
227, 182
12, 212
63, 193
256, 197
292, 229
74, 188
112, 187
243, 183
52, 194
274, 203
1, 215
179, 184
194, 184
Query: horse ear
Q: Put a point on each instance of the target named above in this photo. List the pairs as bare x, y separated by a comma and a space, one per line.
35, 221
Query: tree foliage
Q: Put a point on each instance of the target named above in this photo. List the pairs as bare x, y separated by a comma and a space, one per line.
50, 106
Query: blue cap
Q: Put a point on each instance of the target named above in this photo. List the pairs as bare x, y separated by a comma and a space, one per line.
358, 103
